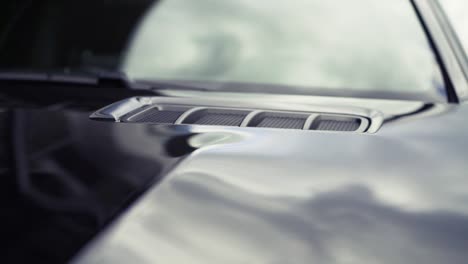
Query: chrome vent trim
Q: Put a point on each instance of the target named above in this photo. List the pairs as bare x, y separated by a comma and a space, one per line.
114, 112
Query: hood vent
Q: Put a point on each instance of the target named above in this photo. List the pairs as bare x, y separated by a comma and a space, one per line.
247, 118
139, 111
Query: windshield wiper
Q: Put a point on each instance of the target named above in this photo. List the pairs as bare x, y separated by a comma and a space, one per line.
41, 88
177, 85
100, 79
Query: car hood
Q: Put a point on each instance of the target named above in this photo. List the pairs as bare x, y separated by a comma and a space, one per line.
283, 196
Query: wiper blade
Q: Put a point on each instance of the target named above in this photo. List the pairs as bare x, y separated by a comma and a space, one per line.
99, 79
156, 85
45, 88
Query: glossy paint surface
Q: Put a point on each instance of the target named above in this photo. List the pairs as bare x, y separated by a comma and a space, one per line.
284, 196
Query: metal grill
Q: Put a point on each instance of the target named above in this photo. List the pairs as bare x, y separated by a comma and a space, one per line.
216, 117
338, 125
277, 120
155, 115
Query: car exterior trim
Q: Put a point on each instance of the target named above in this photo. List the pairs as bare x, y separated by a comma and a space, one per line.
444, 46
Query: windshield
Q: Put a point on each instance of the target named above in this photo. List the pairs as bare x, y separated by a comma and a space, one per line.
348, 48
358, 45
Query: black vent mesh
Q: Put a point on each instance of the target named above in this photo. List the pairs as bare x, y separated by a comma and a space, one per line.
234, 117
217, 117
338, 125
157, 116
279, 121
